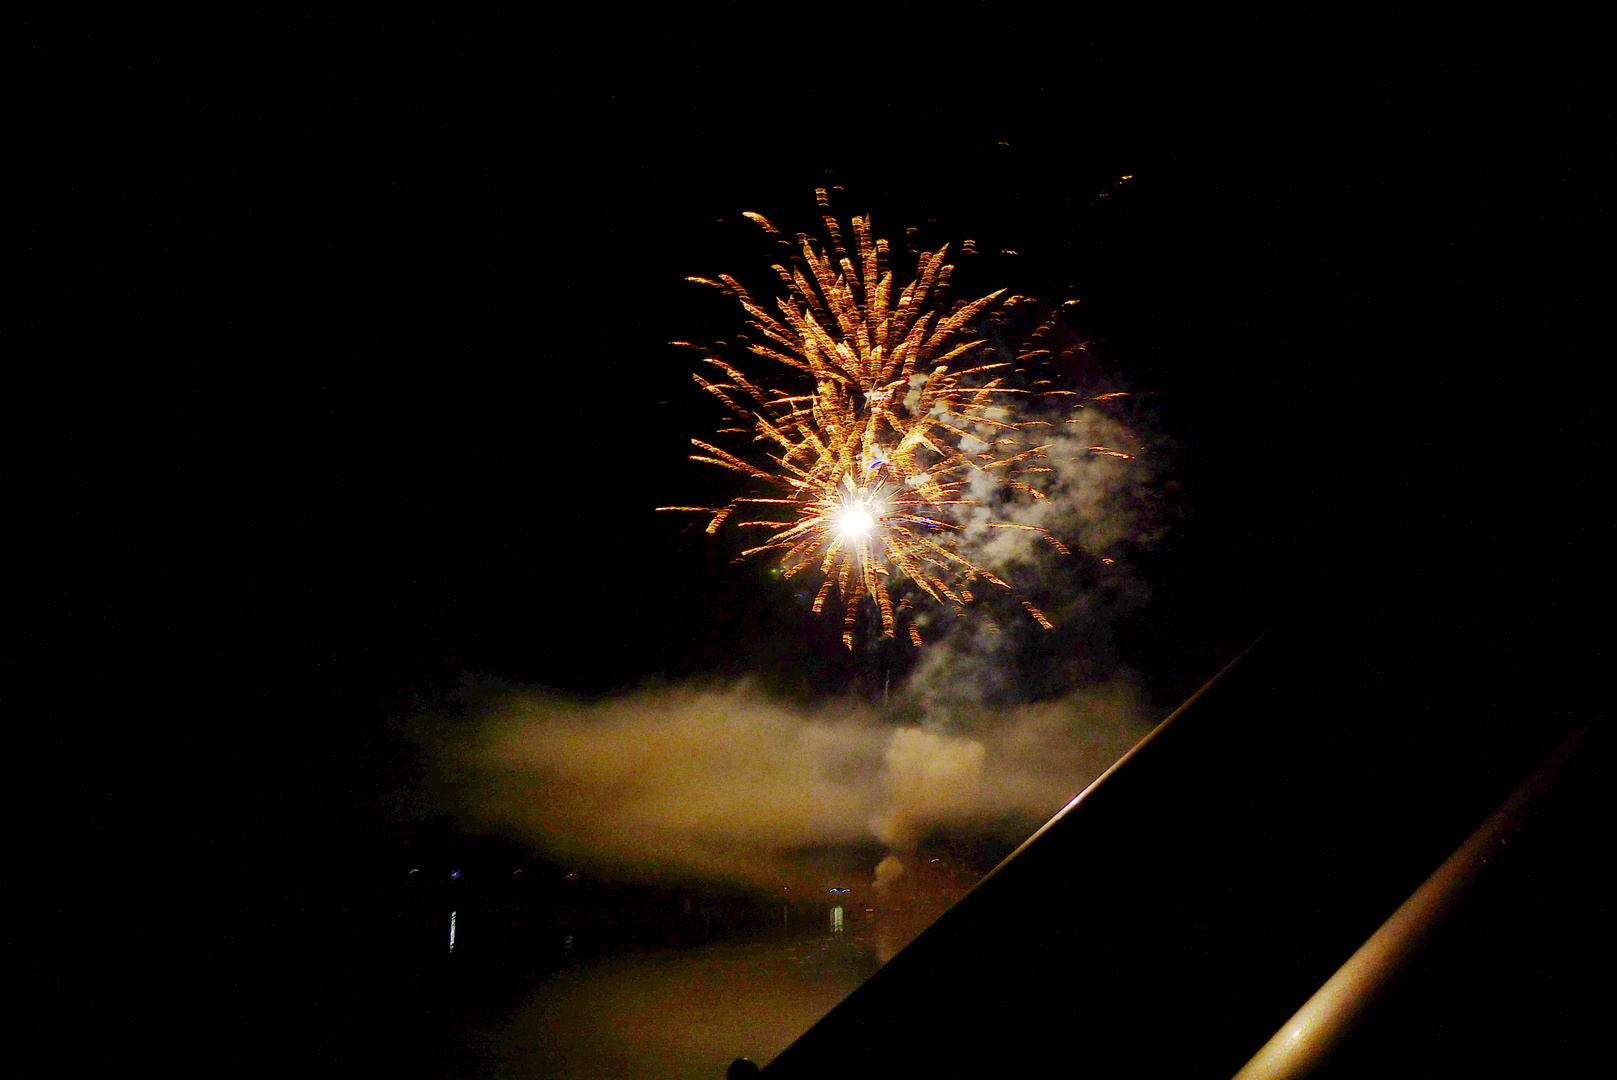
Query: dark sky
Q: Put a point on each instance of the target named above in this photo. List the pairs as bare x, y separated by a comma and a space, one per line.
381, 325
401, 315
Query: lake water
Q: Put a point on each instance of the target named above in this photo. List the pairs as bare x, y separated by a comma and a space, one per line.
685, 1014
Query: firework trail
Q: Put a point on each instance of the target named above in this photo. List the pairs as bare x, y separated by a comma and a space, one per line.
899, 401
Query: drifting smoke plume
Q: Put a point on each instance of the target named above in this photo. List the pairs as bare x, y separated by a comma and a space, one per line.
1106, 505
888, 871
730, 784
926, 777
1089, 496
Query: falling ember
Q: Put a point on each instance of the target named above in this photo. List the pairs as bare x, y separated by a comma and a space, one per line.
899, 402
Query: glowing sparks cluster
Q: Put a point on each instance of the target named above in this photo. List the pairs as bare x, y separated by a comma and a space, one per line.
900, 402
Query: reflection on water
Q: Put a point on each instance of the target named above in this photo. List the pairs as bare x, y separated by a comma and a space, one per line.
685, 1014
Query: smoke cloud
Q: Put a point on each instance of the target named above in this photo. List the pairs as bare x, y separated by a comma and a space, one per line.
1105, 509
732, 784
1094, 501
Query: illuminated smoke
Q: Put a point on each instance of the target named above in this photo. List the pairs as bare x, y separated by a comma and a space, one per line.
927, 779
731, 784
888, 871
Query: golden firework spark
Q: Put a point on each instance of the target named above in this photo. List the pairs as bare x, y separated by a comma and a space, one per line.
900, 402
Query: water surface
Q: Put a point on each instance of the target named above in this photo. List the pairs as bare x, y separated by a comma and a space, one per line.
683, 1014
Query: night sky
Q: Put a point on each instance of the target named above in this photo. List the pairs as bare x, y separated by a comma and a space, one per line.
378, 396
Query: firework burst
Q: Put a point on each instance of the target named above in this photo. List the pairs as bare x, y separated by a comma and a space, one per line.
893, 403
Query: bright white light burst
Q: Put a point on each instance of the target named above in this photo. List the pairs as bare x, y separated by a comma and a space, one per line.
855, 521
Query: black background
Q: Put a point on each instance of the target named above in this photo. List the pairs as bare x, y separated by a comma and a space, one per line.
353, 379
